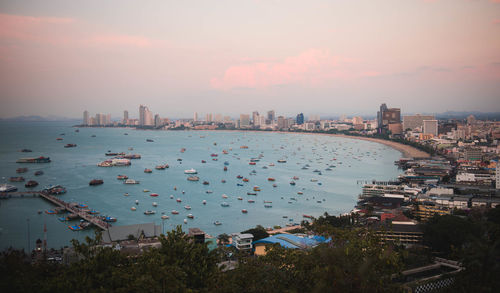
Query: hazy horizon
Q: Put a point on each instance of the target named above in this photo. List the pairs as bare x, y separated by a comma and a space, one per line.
316, 57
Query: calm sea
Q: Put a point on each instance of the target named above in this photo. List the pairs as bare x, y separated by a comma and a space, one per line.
334, 191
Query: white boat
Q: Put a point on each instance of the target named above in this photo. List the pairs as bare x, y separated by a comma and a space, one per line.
149, 212
185, 221
164, 217
187, 207
136, 201
133, 208
224, 204
130, 181
224, 196
7, 188
190, 171
155, 204
204, 202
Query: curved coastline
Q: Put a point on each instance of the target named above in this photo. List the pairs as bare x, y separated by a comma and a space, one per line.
406, 150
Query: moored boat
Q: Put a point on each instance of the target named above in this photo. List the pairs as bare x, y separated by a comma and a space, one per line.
16, 179
7, 188
148, 170
193, 178
131, 181
244, 211
96, 182
38, 173
122, 177
21, 170
31, 183
34, 160
149, 212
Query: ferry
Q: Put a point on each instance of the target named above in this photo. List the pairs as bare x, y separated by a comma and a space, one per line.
190, 171
34, 160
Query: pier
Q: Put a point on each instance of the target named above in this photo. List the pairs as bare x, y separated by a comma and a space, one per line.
60, 203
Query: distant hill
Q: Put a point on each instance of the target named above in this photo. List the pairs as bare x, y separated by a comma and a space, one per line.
465, 114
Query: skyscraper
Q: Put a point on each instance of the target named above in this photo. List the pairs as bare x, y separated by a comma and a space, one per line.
244, 120
145, 116
282, 123
300, 118
125, 117
255, 118
386, 116
86, 120
195, 116
430, 127
271, 116
141, 114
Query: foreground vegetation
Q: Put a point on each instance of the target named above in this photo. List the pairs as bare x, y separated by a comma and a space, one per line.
353, 261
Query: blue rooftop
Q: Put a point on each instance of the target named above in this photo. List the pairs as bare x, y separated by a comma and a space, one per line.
293, 241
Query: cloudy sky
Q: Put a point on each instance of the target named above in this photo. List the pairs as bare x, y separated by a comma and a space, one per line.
236, 56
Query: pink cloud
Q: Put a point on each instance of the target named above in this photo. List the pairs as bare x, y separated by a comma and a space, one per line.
310, 68
496, 21
29, 28
118, 40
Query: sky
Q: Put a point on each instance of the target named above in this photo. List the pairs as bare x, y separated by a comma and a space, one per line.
237, 56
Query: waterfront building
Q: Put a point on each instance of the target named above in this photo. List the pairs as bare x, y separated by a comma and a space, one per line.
244, 121
208, 117
195, 116
255, 118
386, 116
282, 123
145, 116
309, 126
125, 117
271, 116
158, 121
430, 127
218, 118
415, 121
86, 120
300, 119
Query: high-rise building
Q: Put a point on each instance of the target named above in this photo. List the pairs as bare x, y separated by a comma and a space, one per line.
195, 116
415, 121
430, 127
142, 109
244, 121
158, 121
271, 116
300, 118
388, 116
100, 119
125, 117
255, 118
282, 123
209, 117
145, 116
86, 120
218, 118
108, 119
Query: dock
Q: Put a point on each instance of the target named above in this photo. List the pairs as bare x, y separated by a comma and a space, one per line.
60, 203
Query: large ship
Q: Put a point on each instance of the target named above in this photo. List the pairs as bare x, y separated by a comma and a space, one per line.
34, 160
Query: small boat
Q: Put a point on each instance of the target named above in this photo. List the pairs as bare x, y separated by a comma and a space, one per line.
271, 165
217, 223
251, 193
21, 170
171, 196
164, 217
224, 204
75, 228
178, 200
268, 206
16, 179
155, 204
204, 202
206, 183
307, 216
70, 145
161, 167
314, 180
122, 177
275, 185
240, 198
256, 188
31, 183
174, 212
190, 171
245, 180
59, 138
300, 192
133, 208
149, 140
225, 168
149, 212
209, 191
223, 181
179, 159
94, 182
244, 211
190, 216
239, 184
224, 196
187, 207
268, 201
26, 151
252, 163
109, 219
38, 173
193, 178
292, 182
295, 178
203, 161
50, 212
271, 179
239, 177
93, 135
148, 170
281, 161
154, 194
251, 201
183, 150
130, 181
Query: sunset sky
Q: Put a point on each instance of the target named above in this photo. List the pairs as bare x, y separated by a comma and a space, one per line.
237, 56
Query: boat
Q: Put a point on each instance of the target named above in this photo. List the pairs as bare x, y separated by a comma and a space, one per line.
295, 178
239, 177
96, 182
16, 179
203, 161
154, 194
70, 145
21, 170
179, 159
240, 198
136, 201
149, 140
93, 135
26, 151
224, 196
75, 228
271, 165
145, 190
131, 156
31, 183
217, 223
131, 181
7, 188
204, 202
55, 190
149, 212
190, 171
171, 196
209, 191
292, 182
251, 201
268, 201
239, 184
174, 212
190, 216
268, 206
251, 193
300, 192
108, 219
256, 188
224, 204
164, 217
245, 180
187, 207
213, 155
281, 161
122, 177
106, 163
59, 138
34, 160
251, 163
155, 204
148, 170
225, 168
307, 216
193, 178
183, 150
110, 154
161, 167
243, 147
314, 180
38, 173
50, 212
133, 208
178, 200
244, 211
206, 183
271, 179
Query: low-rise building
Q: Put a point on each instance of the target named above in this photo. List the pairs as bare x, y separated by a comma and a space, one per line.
242, 242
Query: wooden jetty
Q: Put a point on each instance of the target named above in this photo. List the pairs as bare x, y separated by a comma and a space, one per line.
61, 203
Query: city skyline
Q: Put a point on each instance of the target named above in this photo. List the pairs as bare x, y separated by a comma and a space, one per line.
319, 58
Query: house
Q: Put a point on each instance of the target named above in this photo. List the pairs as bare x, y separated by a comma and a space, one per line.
242, 242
